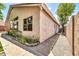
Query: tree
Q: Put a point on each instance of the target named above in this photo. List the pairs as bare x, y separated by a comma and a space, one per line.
63, 11
1, 8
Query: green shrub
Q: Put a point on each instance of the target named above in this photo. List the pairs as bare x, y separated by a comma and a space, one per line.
32, 40
29, 41
1, 48
22, 39
12, 33
35, 40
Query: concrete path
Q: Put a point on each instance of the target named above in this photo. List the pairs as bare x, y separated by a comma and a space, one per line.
43, 49
11, 49
46, 46
57, 45
62, 47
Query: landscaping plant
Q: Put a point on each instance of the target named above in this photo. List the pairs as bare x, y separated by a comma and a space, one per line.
1, 8
64, 10
1, 48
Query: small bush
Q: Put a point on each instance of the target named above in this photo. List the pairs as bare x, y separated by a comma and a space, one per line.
32, 40
35, 40
22, 39
12, 33
1, 48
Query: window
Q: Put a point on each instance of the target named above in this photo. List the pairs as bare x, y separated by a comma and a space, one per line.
27, 24
14, 24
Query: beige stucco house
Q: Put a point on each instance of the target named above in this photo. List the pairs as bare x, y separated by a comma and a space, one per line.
33, 20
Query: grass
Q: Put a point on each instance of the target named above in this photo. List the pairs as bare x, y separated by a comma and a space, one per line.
1, 48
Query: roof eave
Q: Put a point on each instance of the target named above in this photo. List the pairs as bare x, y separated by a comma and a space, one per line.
32, 4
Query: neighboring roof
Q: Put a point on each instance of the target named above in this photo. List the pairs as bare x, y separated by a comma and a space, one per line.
43, 5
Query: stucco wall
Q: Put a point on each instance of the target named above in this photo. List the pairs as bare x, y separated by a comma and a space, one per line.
43, 26
46, 26
24, 12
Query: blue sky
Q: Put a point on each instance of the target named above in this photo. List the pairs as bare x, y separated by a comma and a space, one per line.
52, 7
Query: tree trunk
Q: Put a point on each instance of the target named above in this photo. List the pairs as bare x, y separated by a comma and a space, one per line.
62, 29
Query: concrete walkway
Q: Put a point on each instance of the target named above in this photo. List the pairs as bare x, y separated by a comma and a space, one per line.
11, 49
46, 46
62, 47
57, 45
14, 48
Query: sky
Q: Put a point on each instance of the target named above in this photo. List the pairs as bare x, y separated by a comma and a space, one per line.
52, 7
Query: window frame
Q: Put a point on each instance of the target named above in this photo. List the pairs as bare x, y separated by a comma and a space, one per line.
27, 24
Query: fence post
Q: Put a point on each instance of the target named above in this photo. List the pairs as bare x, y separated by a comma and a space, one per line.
73, 36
